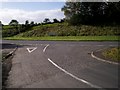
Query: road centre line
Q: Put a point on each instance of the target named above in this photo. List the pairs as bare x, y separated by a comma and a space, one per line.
75, 77
45, 48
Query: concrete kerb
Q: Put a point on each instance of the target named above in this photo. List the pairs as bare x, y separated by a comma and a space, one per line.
100, 59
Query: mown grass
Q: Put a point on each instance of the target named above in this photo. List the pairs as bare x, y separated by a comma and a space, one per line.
67, 38
112, 53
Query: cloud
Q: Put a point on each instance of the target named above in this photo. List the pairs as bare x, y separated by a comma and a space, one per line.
6, 15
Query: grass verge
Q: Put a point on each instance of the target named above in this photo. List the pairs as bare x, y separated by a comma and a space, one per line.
67, 38
112, 53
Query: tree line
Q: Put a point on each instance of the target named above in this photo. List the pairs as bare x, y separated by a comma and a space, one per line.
92, 12
15, 22
15, 28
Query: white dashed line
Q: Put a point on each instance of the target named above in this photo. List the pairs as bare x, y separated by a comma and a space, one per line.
75, 77
45, 48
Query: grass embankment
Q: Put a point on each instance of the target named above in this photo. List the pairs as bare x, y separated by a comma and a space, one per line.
64, 31
68, 38
112, 53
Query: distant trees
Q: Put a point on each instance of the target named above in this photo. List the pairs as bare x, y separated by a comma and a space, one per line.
91, 12
32, 23
13, 23
15, 28
62, 20
46, 20
0, 25
26, 23
55, 21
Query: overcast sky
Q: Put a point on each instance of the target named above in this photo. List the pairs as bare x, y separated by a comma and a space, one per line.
32, 11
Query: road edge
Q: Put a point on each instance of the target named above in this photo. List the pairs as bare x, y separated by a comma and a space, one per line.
6, 73
100, 59
11, 53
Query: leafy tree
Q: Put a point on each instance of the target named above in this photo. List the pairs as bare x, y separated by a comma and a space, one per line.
62, 20
55, 21
13, 23
46, 20
32, 23
71, 8
0, 25
91, 12
112, 12
26, 22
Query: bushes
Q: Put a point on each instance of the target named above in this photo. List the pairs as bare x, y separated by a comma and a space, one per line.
8, 31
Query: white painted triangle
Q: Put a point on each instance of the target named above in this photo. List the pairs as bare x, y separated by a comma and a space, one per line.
31, 49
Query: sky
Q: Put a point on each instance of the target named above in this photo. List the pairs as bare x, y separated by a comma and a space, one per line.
32, 11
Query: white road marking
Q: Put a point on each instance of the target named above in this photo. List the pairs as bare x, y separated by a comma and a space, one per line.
75, 77
92, 54
45, 48
31, 49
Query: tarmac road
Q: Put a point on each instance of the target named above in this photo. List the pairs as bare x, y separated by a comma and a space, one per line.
59, 64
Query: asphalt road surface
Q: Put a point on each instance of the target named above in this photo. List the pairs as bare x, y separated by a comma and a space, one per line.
59, 64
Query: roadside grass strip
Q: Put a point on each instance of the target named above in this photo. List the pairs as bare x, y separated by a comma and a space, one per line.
67, 38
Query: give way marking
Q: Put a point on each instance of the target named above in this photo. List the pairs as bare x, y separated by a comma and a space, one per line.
31, 49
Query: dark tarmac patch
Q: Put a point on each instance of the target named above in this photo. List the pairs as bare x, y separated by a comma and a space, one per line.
6, 67
8, 46
6, 61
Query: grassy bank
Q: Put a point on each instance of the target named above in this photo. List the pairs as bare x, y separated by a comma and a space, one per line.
112, 53
64, 29
61, 29
68, 38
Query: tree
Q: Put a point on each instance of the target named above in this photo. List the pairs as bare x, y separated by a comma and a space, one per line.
32, 23
62, 20
46, 20
0, 25
26, 22
71, 8
13, 23
55, 21
91, 12
112, 12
